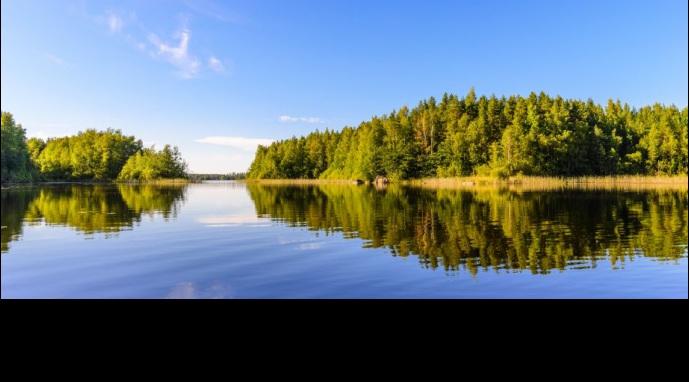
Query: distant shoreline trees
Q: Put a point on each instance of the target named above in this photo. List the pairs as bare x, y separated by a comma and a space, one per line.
88, 155
500, 137
229, 176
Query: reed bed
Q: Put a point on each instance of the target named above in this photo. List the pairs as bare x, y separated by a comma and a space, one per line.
301, 181
536, 183
158, 182
521, 183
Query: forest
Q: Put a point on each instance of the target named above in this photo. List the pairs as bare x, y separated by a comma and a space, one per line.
538, 135
88, 155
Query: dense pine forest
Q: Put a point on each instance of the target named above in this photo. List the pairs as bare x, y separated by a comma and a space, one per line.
88, 155
535, 135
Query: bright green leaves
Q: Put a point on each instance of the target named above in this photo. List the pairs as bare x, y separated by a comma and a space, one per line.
534, 135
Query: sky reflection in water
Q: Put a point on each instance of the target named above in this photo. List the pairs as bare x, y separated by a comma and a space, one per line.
230, 240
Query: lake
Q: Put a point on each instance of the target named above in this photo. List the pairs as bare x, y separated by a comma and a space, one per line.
236, 240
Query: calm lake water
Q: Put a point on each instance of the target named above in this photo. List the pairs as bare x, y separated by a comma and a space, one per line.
231, 240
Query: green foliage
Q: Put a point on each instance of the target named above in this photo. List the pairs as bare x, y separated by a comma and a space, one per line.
229, 176
89, 155
150, 164
15, 162
501, 137
97, 155
35, 146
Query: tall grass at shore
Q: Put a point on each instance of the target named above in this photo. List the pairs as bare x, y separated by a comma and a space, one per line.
631, 182
554, 183
302, 181
160, 182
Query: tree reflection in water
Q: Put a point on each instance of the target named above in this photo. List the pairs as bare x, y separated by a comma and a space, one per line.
88, 209
450, 229
499, 229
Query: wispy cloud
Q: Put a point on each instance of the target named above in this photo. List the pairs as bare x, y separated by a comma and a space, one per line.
55, 59
114, 22
216, 65
290, 119
246, 144
177, 52
123, 25
179, 56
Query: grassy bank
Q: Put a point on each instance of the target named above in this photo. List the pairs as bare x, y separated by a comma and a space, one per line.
91, 181
547, 183
519, 182
160, 182
301, 181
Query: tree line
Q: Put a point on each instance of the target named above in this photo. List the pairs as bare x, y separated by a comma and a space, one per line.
228, 176
88, 155
535, 135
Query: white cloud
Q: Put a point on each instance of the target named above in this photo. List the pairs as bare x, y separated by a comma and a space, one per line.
218, 160
216, 65
245, 144
178, 56
40, 135
54, 59
114, 22
290, 119
176, 53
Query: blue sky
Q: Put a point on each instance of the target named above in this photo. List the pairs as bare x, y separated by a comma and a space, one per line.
218, 77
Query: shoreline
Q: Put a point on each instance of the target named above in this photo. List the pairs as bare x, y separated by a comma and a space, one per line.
468, 182
288, 181
97, 182
517, 182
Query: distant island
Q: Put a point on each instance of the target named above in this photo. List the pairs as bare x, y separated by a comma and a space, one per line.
229, 176
538, 135
90, 155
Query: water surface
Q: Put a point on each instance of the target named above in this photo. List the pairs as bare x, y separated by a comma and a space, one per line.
231, 240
